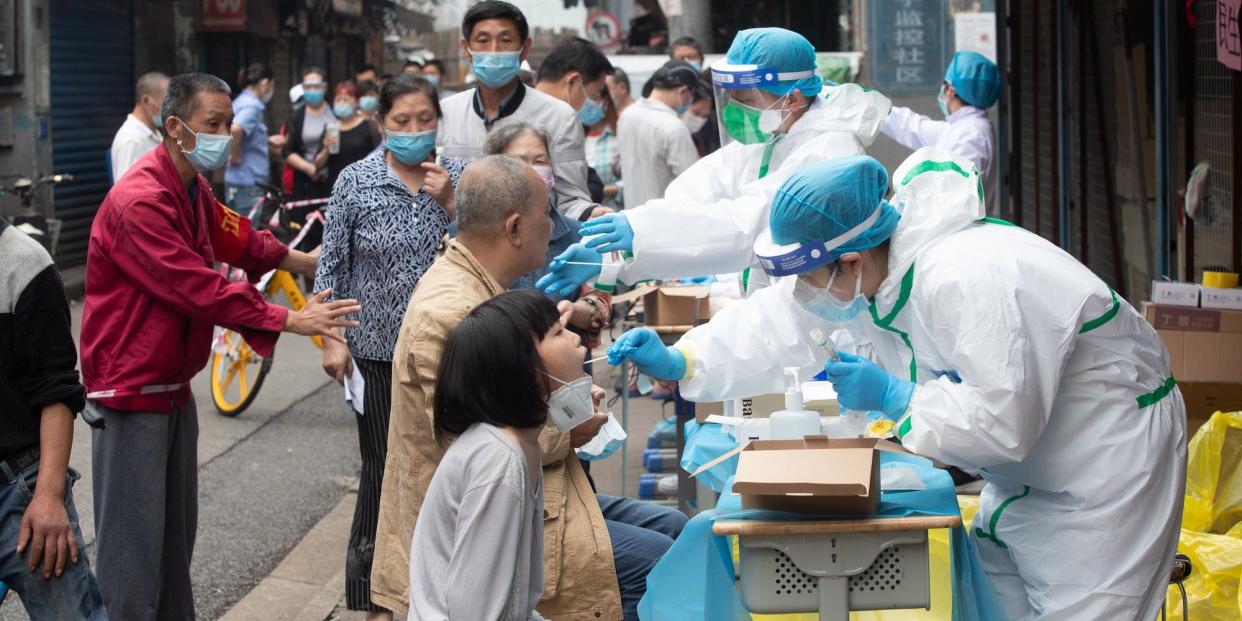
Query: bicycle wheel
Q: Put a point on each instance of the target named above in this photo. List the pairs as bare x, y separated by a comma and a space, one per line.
237, 373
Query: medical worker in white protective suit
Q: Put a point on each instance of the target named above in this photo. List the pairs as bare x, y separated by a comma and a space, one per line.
773, 121
972, 84
996, 350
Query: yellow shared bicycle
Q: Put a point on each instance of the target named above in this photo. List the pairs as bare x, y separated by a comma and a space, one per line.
237, 371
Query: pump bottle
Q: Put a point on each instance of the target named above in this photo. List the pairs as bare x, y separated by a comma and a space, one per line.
793, 422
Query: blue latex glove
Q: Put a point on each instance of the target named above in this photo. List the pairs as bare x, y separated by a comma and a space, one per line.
563, 278
614, 233
863, 385
643, 347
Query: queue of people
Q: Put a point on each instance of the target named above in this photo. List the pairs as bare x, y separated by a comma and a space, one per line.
465, 262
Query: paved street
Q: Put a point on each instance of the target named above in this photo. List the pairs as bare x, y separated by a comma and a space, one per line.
269, 476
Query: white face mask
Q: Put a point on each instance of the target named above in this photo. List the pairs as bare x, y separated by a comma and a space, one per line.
693, 122
610, 438
571, 404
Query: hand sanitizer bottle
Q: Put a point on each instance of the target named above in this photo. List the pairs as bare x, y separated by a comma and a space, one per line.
793, 422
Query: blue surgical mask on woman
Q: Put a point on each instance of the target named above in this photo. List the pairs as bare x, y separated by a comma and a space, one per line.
411, 147
434, 79
826, 306
368, 103
495, 69
343, 110
211, 151
312, 97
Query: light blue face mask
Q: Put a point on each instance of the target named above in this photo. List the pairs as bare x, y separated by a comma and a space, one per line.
411, 147
434, 79
944, 107
211, 151
495, 69
826, 306
591, 112
342, 111
312, 97
611, 436
368, 103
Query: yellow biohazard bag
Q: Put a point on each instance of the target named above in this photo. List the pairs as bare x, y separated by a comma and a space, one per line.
1212, 522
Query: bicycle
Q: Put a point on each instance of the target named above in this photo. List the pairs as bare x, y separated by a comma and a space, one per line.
232, 359
44, 230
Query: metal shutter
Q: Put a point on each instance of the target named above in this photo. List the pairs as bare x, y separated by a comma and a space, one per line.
92, 91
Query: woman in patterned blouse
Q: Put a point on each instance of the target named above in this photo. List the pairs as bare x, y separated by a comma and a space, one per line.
388, 214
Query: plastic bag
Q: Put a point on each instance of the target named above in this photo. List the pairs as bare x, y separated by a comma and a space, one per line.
1212, 523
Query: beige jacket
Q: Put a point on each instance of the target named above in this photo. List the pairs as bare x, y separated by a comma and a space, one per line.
580, 580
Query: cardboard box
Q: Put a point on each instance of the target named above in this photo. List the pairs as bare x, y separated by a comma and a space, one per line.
1174, 293
1204, 399
676, 306
1204, 345
1221, 299
813, 475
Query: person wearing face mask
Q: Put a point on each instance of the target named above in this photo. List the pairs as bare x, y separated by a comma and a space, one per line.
590, 307
972, 84
306, 130
248, 159
656, 145
388, 214
689, 50
434, 72
478, 549
357, 137
994, 350
141, 130
152, 248
496, 39
774, 121
603, 151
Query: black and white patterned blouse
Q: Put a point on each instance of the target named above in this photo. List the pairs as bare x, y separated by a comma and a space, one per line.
378, 242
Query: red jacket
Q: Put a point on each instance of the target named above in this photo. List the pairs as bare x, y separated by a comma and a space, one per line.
152, 296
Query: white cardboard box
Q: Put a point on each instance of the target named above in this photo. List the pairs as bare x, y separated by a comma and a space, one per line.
1175, 293
1223, 299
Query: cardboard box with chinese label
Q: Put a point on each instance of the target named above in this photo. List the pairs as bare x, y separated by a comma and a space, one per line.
814, 475
1205, 345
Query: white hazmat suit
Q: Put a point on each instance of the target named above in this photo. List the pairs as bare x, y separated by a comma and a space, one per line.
711, 214
1028, 368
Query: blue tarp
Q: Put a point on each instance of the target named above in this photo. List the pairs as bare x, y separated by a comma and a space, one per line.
695, 581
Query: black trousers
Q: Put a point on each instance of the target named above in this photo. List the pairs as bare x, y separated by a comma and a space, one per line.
373, 445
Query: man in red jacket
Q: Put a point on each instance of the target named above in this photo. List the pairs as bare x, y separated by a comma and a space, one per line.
152, 299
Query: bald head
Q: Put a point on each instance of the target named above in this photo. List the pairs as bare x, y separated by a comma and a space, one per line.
493, 188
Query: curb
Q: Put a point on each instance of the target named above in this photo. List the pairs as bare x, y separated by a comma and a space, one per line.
309, 582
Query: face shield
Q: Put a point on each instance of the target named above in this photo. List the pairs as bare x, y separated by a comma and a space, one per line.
792, 259
749, 108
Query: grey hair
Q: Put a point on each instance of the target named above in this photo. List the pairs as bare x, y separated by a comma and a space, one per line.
499, 139
150, 84
181, 100
492, 188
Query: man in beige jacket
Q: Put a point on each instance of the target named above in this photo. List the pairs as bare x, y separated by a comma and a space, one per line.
503, 231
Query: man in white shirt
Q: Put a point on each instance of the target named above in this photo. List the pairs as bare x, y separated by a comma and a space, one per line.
496, 39
140, 131
656, 145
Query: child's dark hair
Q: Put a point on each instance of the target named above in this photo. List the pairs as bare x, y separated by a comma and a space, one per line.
490, 370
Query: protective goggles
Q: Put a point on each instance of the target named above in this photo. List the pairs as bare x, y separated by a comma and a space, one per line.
796, 258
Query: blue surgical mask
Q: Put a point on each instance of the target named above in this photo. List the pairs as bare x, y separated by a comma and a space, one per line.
944, 107
434, 79
313, 97
826, 306
342, 110
591, 112
411, 147
698, 67
211, 151
495, 69
368, 103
